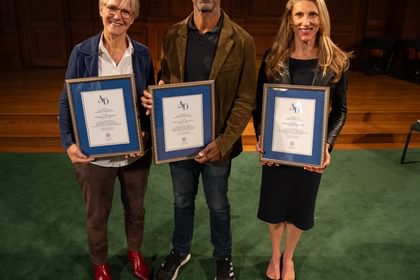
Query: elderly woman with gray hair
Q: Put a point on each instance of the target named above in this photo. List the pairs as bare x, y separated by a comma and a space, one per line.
111, 52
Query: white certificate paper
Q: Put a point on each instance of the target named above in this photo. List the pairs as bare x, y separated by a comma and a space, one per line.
293, 125
183, 122
105, 117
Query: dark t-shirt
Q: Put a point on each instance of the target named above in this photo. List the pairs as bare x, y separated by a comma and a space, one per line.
302, 72
201, 49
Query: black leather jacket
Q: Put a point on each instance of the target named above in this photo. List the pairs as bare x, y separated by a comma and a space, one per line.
338, 99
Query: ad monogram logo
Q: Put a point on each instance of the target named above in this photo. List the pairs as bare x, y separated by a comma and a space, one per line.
183, 106
103, 100
296, 107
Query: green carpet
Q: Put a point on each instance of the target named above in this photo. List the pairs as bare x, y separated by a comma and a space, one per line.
367, 224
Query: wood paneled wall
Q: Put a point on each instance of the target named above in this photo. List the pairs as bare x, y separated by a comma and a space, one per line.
42, 33
10, 42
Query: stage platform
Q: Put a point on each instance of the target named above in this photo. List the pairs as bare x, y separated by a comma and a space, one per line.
381, 110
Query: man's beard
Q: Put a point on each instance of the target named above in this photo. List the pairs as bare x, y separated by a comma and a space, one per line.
206, 8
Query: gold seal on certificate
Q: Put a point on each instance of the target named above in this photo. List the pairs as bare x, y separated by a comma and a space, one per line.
294, 124
182, 119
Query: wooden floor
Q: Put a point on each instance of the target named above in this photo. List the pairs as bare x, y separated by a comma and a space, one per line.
381, 110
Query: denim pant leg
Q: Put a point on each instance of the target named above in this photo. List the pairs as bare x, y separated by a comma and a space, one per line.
185, 176
215, 183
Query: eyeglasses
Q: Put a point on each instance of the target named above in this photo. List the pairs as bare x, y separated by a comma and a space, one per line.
112, 11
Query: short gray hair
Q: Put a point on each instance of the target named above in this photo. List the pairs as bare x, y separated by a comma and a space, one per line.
134, 5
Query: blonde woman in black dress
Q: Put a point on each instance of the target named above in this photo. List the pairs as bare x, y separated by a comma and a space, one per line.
304, 54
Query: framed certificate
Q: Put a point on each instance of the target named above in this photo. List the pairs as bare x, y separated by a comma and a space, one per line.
294, 124
182, 119
104, 115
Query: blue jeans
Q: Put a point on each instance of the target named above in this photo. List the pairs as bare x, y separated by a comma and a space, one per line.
185, 176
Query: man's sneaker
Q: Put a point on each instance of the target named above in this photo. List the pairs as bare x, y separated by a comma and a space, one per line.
170, 267
224, 269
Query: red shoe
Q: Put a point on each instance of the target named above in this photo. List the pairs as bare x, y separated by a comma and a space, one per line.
102, 272
138, 265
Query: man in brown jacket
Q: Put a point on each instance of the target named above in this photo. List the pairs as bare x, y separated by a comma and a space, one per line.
208, 45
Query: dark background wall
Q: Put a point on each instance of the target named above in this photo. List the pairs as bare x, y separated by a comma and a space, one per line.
37, 33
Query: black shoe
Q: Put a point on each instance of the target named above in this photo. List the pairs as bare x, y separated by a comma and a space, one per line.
224, 269
170, 267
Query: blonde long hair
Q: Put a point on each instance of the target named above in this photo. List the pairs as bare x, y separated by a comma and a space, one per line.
330, 56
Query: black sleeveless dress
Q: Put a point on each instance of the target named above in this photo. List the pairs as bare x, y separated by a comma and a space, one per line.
288, 193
